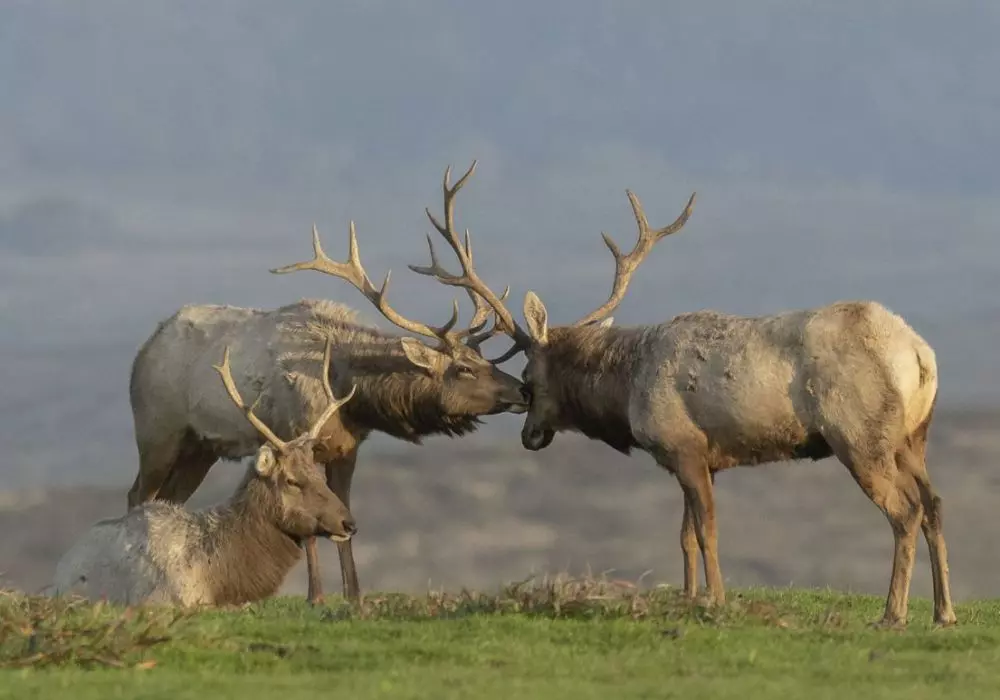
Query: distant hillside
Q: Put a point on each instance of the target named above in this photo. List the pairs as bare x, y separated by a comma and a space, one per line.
453, 514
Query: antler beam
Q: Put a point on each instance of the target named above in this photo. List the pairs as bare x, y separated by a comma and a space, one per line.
625, 265
469, 279
351, 271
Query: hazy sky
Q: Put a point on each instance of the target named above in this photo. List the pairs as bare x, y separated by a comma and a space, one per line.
160, 153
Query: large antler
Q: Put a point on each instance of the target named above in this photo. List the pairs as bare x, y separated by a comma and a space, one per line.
625, 265
352, 271
234, 394
482, 307
469, 279
335, 403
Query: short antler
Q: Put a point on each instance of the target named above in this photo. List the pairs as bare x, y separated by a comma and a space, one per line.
352, 271
227, 379
469, 279
625, 265
335, 403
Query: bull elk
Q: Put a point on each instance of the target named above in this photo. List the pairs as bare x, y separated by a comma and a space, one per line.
233, 553
405, 388
706, 391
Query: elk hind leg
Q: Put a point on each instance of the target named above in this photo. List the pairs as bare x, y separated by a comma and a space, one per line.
690, 548
897, 495
696, 482
157, 456
912, 460
188, 472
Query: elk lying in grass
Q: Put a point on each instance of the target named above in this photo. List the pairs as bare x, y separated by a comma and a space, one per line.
707, 391
233, 553
405, 388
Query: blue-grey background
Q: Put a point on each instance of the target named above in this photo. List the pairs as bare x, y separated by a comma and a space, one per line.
161, 153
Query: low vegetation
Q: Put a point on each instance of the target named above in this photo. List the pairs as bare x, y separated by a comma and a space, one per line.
551, 638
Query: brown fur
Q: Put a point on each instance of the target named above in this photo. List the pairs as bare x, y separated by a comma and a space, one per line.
184, 422
232, 553
583, 364
708, 391
248, 554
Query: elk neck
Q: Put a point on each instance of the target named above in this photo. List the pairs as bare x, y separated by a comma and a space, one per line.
589, 377
247, 555
397, 398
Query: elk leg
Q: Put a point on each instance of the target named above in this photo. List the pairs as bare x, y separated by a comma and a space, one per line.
905, 514
690, 548
156, 461
188, 472
897, 495
696, 481
912, 461
315, 593
339, 475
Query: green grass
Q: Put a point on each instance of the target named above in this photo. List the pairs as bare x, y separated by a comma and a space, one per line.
555, 639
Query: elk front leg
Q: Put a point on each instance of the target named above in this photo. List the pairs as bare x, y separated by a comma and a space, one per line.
315, 593
696, 481
339, 475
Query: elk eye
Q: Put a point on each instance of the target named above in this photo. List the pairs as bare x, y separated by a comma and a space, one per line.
465, 372
292, 483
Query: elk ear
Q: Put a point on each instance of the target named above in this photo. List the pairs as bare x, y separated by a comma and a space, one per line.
266, 462
537, 318
423, 356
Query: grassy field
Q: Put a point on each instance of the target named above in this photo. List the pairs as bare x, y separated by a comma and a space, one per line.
551, 639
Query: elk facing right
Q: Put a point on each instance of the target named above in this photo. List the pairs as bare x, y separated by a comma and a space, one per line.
406, 388
707, 391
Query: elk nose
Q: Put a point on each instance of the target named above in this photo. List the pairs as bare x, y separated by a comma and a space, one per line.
349, 527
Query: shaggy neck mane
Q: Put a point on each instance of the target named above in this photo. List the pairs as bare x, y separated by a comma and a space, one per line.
248, 556
396, 397
589, 371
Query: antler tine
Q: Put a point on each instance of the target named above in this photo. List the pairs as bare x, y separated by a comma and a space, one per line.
511, 351
469, 279
482, 313
482, 307
477, 338
625, 265
227, 379
352, 271
335, 403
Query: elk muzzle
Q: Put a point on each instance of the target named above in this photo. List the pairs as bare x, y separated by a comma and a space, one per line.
510, 397
340, 529
536, 438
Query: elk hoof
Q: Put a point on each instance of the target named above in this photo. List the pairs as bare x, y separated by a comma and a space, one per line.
889, 623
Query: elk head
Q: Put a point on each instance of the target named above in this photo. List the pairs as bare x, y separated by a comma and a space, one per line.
295, 491
470, 385
540, 343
